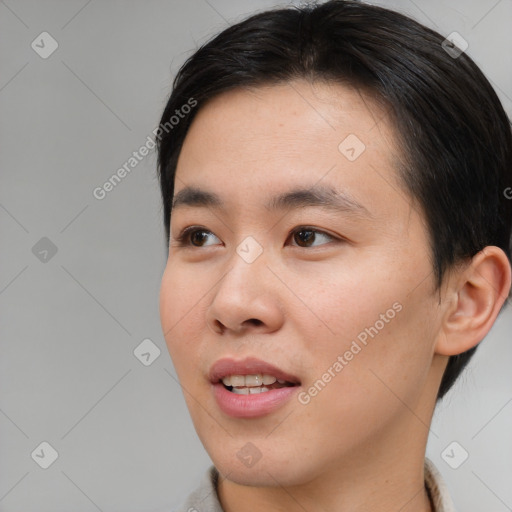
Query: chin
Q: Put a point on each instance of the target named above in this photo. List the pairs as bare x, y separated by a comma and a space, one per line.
271, 472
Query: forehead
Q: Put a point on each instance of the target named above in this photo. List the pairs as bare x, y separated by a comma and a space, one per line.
302, 107
250, 141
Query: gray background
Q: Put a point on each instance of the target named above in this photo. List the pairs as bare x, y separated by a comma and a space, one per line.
69, 325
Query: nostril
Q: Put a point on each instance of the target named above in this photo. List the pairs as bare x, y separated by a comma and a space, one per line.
217, 327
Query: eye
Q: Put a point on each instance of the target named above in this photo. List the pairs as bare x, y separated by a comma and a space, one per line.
195, 237
309, 235
193, 234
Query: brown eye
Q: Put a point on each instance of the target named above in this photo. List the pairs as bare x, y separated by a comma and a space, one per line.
193, 236
198, 236
305, 236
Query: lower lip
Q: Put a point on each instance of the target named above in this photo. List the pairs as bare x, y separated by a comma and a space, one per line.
251, 406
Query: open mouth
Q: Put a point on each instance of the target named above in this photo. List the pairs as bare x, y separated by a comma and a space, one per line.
251, 387
253, 384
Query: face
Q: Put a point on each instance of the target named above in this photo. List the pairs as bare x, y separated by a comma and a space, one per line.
338, 300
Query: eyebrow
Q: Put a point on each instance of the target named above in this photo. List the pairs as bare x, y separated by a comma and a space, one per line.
317, 196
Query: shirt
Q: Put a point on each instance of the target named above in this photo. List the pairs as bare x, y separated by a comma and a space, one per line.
205, 499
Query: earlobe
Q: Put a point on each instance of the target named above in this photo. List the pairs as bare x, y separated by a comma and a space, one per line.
479, 291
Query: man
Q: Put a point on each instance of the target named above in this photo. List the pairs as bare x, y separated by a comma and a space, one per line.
339, 244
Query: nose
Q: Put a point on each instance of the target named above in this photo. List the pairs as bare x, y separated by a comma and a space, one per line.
247, 298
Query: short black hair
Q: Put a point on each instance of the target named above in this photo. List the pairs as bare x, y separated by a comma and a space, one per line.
455, 136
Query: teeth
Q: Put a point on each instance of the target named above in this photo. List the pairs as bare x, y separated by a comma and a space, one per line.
253, 380
250, 391
250, 380
237, 380
268, 380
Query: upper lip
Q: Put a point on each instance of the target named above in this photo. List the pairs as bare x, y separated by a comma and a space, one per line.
248, 366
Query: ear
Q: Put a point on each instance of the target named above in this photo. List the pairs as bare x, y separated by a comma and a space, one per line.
475, 296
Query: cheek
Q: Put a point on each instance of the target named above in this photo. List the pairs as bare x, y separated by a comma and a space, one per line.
383, 335
369, 388
345, 298
179, 309
167, 302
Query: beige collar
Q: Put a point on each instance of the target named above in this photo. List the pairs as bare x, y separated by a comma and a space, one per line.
437, 489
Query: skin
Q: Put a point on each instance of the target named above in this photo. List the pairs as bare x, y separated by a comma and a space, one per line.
359, 444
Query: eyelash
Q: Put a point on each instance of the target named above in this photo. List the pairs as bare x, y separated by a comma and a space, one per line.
183, 238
